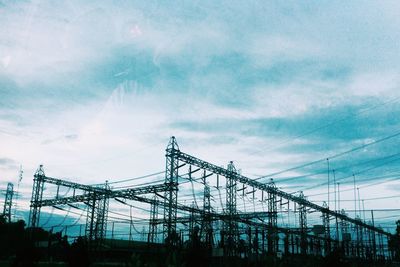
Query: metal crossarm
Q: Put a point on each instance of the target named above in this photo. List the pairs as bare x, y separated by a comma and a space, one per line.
183, 157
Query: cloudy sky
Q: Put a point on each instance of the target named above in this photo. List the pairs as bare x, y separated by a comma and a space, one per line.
94, 91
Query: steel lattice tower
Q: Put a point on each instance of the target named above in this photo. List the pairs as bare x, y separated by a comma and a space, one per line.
102, 214
37, 194
272, 220
303, 225
171, 195
327, 229
96, 220
207, 224
8, 202
231, 226
153, 221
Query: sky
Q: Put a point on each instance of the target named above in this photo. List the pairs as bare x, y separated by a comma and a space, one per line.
94, 90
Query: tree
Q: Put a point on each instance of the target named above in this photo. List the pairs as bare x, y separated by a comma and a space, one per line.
394, 242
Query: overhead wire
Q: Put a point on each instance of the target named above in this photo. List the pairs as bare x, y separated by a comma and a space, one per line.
331, 157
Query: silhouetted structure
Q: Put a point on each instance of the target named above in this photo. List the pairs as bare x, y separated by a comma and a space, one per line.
226, 231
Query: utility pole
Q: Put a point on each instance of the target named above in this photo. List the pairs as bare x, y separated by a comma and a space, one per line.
20, 176
336, 218
338, 186
359, 201
373, 237
355, 196
327, 160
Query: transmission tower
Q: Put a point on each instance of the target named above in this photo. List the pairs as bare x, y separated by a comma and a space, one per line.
153, 221
272, 219
207, 223
171, 195
37, 194
231, 225
303, 225
8, 202
96, 220
327, 229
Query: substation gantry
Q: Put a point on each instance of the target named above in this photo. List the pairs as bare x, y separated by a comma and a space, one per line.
260, 228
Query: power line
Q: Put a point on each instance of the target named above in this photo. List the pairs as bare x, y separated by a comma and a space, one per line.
331, 123
331, 157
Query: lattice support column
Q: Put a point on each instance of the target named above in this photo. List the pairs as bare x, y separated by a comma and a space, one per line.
171, 195
97, 214
91, 219
8, 202
303, 225
272, 220
206, 229
102, 215
37, 194
345, 235
327, 229
230, 225
153, 221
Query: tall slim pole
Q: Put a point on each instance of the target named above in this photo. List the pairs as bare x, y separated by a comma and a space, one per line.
363, 209
327, 160
338, 186
373, 236
334, 187
359, 201
355, 196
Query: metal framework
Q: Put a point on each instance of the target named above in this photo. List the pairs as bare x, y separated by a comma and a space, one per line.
272, 221
206, 226
303, 226
95, 197
8, 202
257, 227
171, 195
96, 220
188, 159
230, 225
153, 221
327, 230
37, 194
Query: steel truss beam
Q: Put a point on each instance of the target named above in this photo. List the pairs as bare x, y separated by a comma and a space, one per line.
188, 159
124, 193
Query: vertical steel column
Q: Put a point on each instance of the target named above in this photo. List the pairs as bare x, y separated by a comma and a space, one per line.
171, 195
231, 226
326, 223
345, 235
206, 222
373, 237
303, 225
37, 194
8, 202
192, 223
153, 221
90, 219
102, 214
272, 220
